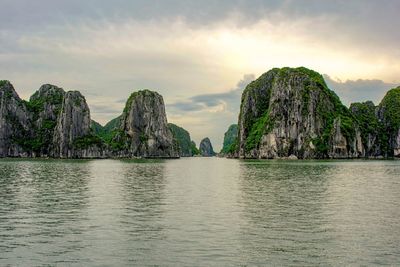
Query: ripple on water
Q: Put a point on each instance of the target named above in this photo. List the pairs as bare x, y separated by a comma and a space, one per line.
199, 212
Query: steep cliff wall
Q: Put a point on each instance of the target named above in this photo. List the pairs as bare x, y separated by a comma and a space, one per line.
389, 116
73, 136
143, 130
380, 125
15, 123
291, 111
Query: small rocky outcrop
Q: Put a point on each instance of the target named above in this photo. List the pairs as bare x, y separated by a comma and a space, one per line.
230, 140
182, 138
143, 130
205, 148
291, 111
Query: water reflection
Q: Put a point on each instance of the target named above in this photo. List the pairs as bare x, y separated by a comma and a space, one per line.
12, 179
199, 212
143, 195
42, 207
363, 212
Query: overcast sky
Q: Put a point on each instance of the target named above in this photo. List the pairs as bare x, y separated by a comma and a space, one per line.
198, 54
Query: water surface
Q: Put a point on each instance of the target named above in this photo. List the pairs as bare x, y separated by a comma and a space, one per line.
199, 212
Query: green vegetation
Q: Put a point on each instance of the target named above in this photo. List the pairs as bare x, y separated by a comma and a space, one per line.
3, 82
379, 125
261, 126
367, 119
329, 109
37, 103
96, 127
182, 138
118, 140
259, 93
8, 94
194, 149
77, 101
261, 120
113, 124
107, 132
42, 138
143, 138
87, 141
390, 108
230, 139
134, 95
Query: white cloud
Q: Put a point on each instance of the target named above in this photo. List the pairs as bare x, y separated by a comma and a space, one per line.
106, 53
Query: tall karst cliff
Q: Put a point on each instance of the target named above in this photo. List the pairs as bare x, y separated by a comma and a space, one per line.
143, 129
291, 111
380, 125
73, 136
15, 123
55, 123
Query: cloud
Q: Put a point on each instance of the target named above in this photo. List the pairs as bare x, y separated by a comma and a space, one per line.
209, 114
359, 90
230, 100
191, 51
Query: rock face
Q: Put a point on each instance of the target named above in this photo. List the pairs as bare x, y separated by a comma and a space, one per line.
291, 111
15, 123
182, 138
206, 149
45, 106
230, 140
73, 137
380, 125
367, 116
143, 131
54, 123
389, 116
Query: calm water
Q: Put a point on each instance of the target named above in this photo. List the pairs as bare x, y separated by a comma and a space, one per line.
199, 212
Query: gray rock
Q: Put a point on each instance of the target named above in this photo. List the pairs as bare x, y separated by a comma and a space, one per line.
292, 112
206, 149
15, 123
45, 106
380, 125
144, 129
73, 124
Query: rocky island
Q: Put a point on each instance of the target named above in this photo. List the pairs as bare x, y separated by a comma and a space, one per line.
290, 112
206, 148
55, 123
285, 113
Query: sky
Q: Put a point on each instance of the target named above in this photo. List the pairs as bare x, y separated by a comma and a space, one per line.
198, 54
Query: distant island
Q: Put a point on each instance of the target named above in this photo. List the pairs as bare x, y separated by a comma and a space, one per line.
285, 113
